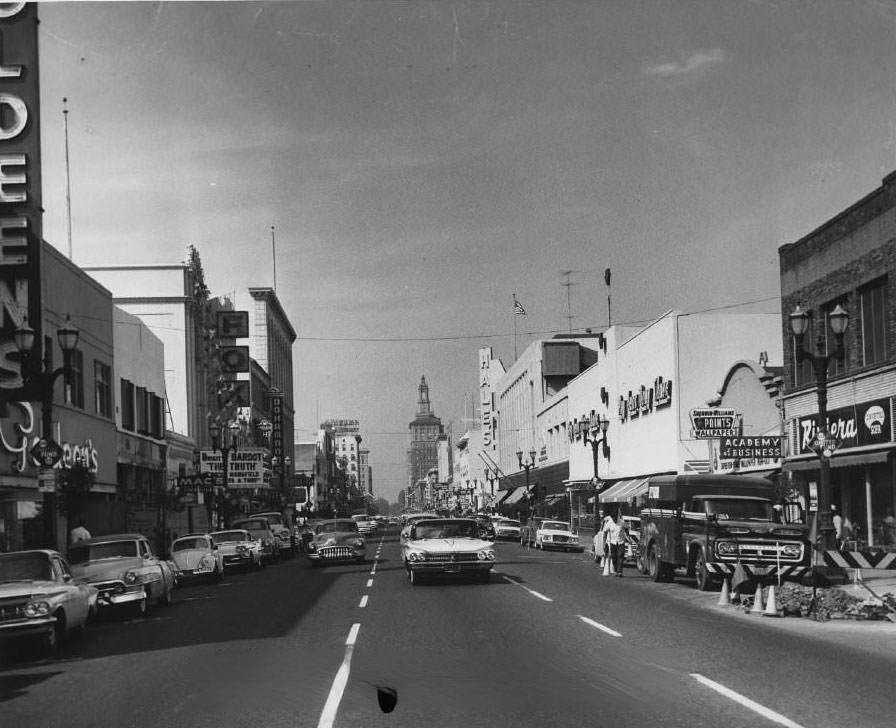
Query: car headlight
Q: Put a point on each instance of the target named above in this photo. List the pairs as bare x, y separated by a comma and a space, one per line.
242, 548
37, 609
359, 543
416, 556
312, 546
131, 577
486, 555
792, 549
726, 548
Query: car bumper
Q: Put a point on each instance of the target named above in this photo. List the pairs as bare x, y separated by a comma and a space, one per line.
472, 567
507, 535
27, 627
194, 573
237, 560
105, 600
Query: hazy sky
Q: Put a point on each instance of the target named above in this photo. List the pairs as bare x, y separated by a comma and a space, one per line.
423, 161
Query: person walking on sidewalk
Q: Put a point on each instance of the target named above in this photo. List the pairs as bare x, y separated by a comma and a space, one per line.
616, 536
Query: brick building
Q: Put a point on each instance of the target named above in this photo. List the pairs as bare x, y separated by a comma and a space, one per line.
850, 261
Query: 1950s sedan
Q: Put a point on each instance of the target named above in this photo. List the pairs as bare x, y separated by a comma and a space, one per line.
336, 540
41, 599
124, 570
447, 546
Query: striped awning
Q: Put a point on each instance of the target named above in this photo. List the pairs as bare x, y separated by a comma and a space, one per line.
514, 495
624, 490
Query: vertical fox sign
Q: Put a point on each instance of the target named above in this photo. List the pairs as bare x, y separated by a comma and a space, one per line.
20, 188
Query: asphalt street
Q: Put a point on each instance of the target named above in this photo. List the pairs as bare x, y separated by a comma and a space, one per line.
550, 641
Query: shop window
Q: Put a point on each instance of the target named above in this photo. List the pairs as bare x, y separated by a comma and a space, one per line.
102, 384
142, 416
77, 390
127, 405
873, 315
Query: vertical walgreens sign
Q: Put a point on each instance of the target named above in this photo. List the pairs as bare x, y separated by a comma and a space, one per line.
20, 188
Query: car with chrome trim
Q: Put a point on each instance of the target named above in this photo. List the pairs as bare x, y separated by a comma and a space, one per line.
124, 570
551, 534
447, 547
260, 528
408, 520
239, 549
366, 524
282, 530
197, 556
506, 529
336, 540
40, 599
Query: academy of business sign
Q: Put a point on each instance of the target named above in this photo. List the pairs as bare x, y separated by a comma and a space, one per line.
737, 448
715, 422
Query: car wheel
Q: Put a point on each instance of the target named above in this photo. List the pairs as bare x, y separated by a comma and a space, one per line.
50, 642
141, 608
413, 578
705, 581
654, 569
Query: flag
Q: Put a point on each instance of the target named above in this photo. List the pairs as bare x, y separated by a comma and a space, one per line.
518, 308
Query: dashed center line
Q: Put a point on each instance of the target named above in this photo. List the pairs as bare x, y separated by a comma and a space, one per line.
598, 625
328, 716
746, 702
363, 602
369, 583
531, 591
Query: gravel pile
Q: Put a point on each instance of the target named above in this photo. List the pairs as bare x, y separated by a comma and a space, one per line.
795, 600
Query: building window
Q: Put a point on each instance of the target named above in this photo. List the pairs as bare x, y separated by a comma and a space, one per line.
873, 314
102, 383
78, 378
142, 415
803, 373
127, 405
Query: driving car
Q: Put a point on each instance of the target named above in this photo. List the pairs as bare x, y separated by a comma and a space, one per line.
336, 540
366, 524
555, 534
447, 546
41, 600
282, 530
197, 556
238, 548
260, 528
124, 570
506, 528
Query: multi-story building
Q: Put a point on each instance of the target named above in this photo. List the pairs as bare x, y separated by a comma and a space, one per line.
423, 452
849, 261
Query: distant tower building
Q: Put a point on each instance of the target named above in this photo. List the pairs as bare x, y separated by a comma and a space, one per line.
426, 431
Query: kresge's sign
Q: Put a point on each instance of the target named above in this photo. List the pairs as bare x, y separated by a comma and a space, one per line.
20, 188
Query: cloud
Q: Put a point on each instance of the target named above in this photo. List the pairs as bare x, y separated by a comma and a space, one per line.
695, 62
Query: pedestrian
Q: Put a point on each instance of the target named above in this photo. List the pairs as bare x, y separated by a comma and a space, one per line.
838, 527
78, 533
617, 537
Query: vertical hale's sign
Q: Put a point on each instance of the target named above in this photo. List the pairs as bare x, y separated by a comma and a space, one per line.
20, 186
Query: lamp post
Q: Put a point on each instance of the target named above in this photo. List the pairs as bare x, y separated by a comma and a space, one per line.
215, 431
824, 444
45, 377
527, 466
281, 467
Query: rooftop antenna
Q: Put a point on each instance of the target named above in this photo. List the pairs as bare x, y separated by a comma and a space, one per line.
568, 286
68, 182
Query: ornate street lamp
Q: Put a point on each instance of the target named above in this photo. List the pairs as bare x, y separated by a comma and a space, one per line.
824, 444
597, 436
527, 466
215, 431
45, 377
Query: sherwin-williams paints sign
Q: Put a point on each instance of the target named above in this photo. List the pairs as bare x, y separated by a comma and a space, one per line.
862, 424
20, 188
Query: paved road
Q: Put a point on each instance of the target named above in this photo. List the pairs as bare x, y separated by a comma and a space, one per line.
548, 642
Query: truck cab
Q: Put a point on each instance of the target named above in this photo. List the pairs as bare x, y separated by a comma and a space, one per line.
706, 524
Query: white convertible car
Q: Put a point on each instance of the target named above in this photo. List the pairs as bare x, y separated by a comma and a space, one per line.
447, 546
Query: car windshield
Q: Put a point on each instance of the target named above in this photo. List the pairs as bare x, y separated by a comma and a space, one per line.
190, 543
254, 524
82, 553
446, 529
736, 509
337, 526
507, 522
230, 536
555, 526
24, 567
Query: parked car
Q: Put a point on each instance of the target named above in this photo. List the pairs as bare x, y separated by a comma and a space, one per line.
633, 524
486, 527
124, 570
506, 529
282, 530
551, 534
336, 540
260, 528
238, 549
447, 546
40, 599
197, 556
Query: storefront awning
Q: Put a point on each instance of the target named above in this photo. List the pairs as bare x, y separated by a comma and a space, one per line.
624, 490
513, 496
551, 499
840, 461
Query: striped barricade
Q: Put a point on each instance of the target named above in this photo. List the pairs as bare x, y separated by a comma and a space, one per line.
753, 571
861, 559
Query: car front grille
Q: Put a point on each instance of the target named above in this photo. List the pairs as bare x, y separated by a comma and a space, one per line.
451, 558
106, 588
336, 552
12, 609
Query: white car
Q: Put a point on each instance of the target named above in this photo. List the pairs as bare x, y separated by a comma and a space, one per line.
556, 535
282, 531
238, 549
366, 524
449, 547
506, 528
197, 556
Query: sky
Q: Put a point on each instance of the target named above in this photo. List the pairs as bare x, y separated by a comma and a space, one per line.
422, 162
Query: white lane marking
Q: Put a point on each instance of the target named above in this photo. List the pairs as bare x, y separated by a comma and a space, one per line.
598, 625
363, 602
369, 583
373, 570
746, 702
328, 716
531, 591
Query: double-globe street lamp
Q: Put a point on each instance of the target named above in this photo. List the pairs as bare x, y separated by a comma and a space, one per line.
215, 430
596, 436
824, 443
527, 466
44, 376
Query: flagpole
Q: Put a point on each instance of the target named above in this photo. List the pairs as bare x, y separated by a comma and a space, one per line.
514, 326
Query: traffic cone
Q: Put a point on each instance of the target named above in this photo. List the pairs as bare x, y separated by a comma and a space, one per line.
757, 600
771, 607
606, 571
724, 595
